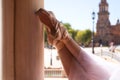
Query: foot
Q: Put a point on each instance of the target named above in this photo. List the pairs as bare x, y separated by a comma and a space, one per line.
55, 30
48, 18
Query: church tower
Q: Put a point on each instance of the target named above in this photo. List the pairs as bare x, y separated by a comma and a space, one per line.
103, 23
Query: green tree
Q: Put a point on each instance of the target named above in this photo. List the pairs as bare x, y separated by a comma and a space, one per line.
45, 37
70, 30
84, 37
78, 36
87, 37
67, 26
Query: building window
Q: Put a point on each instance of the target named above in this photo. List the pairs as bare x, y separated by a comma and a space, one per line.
106, 8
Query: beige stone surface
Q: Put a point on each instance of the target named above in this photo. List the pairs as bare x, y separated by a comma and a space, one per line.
22, 40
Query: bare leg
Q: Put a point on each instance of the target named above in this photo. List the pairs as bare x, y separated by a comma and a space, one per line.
78, 65
84, 67
65, 57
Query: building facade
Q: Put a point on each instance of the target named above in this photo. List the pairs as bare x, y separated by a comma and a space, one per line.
105, 32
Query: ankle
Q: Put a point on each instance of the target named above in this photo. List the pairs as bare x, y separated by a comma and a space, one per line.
59, 45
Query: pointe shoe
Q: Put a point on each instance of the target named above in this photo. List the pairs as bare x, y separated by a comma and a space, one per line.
56, 31
48, 18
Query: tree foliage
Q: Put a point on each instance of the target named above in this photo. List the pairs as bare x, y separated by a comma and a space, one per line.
80, 36
84, 37
70, 30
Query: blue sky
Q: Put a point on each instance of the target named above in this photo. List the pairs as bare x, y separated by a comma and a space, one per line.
79, 12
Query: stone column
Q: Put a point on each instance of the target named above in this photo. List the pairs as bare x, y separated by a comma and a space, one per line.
22, 40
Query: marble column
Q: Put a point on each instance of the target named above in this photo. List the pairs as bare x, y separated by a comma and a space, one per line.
22, 40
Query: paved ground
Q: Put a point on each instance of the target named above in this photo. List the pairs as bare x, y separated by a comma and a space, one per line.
51, 56
102, 56
104, 51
